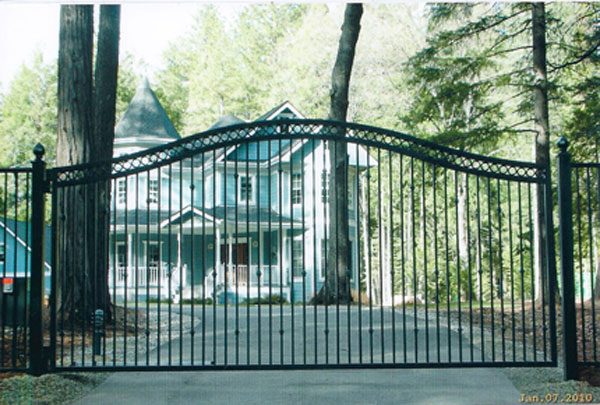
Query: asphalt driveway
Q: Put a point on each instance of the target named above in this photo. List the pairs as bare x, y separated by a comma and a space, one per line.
322, 336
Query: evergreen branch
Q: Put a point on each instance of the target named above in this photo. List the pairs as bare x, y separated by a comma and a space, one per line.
521, 123
475, 28
518, 48
588, 53
513, 35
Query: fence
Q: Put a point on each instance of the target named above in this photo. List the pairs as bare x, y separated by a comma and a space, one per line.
231, 263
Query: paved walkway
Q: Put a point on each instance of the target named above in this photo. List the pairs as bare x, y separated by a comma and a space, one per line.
331, 387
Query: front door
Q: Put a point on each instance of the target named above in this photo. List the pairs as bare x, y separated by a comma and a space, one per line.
237, 271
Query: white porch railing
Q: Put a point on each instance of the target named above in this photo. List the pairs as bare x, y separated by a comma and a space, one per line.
141, 276
240, 275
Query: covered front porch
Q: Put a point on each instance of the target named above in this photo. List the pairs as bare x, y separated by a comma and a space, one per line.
241, 252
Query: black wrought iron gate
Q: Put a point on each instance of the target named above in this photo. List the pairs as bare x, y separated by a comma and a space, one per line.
216, 245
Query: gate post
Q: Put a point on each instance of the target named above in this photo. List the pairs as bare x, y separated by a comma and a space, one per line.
36, 298
565, 214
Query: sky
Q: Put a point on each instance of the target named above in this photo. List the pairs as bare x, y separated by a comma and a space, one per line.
146, 29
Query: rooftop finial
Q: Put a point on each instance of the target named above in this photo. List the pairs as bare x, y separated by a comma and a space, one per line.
145, 84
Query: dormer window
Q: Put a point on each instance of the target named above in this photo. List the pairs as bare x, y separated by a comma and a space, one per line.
153, 191
121, 191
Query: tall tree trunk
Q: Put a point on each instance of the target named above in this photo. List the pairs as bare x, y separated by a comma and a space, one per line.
338, 279
75, 117
105, 95
542, 142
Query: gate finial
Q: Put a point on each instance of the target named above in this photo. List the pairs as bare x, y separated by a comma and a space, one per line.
563, 144
39, 151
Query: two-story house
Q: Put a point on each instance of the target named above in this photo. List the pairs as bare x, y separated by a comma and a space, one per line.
238, 222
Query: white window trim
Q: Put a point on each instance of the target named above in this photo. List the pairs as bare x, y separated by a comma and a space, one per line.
115, 255
253, 193
296, 239
145, 250
299, 188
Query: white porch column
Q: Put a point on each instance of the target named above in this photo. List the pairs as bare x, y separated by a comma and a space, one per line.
178, 251
218, 253
284, 258
230, 261
129, 259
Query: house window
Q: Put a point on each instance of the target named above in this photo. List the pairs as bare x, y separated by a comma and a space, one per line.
153, 191
152, 254
297, 256
324, 187
245, 191
296, 188
121, 191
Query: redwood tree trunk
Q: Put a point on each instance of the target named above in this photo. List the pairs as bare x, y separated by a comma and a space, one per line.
542, 137
75, 117
338, 272
105, 92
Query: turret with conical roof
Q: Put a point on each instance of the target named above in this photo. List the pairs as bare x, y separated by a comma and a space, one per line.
145, 123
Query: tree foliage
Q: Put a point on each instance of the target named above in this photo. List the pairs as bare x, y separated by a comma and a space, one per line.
28, 113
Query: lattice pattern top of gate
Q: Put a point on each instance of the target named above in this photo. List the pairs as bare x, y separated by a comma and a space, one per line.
368, 136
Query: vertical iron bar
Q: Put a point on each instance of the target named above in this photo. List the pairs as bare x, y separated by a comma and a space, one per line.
280, 209
581, 277
369, 261
391, 215
531, 271
148, 268
480, 268
380, 226
522, 272
192, 257
424, 237
491, 258
228, 258
446, 240
436, 263
414, 257
236, 178
137, 256
512, 274
591, 255
458, 264
403, 258
501, 278
314, 232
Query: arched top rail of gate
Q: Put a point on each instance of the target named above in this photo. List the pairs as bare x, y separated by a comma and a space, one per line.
289, 129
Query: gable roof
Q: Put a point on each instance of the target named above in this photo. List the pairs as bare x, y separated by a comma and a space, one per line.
226, 121
145, 116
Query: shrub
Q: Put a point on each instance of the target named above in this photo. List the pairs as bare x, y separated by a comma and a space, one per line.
197, 301
272, 299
